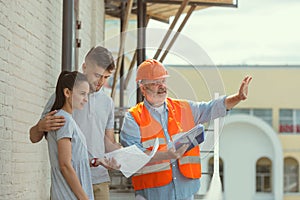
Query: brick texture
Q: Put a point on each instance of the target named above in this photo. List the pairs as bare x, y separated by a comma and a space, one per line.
30, 61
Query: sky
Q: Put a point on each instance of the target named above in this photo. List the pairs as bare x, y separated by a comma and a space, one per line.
258, 32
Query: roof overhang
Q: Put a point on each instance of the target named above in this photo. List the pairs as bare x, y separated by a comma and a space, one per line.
162, 10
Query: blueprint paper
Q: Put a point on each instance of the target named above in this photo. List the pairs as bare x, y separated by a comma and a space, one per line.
193, 137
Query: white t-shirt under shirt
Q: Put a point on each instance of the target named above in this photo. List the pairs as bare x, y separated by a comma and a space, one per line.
96, 116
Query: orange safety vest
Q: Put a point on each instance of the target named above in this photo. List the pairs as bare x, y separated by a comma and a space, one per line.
180, 119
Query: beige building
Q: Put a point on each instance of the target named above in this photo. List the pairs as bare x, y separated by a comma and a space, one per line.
259, 139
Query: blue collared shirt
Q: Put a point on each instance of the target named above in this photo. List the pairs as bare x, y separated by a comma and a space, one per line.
180, 187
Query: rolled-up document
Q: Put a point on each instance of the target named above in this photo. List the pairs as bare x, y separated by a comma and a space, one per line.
193, 137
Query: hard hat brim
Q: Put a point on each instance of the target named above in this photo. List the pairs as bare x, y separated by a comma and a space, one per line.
164, 76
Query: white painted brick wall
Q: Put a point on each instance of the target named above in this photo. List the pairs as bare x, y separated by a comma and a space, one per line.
30, 61
30, 33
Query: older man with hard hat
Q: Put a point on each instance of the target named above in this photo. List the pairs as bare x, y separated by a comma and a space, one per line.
170, 174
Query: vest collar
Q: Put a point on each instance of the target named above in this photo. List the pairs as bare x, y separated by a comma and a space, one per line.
149, 107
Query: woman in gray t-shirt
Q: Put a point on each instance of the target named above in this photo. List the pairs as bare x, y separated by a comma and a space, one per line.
70, 170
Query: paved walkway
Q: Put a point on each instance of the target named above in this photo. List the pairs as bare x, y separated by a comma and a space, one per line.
130, 196
121, 196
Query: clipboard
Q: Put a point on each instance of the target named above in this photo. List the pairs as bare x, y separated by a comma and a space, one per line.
193, 137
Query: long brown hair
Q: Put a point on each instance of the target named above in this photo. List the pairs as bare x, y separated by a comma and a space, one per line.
68, 80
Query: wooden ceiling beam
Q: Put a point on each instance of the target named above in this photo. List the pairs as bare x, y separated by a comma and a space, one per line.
221, 3
183, 5
122, 46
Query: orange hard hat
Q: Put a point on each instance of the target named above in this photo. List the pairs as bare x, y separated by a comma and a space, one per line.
151, 69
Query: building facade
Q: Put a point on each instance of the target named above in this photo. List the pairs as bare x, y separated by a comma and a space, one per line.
259, 139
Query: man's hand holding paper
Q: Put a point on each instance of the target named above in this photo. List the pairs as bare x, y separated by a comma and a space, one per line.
131, 158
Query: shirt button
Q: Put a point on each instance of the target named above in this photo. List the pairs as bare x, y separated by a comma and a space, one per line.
173, 165
174, 178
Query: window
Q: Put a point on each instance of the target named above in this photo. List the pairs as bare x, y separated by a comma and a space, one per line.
211, 170
264, 175
291, 176
264, 114
297, 121
240, 111
289, 121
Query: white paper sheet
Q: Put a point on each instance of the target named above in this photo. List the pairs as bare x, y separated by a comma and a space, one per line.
132, 158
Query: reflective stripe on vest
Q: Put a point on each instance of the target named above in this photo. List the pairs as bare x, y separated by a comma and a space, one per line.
190, 160
155, 168
180, 119
149, 143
